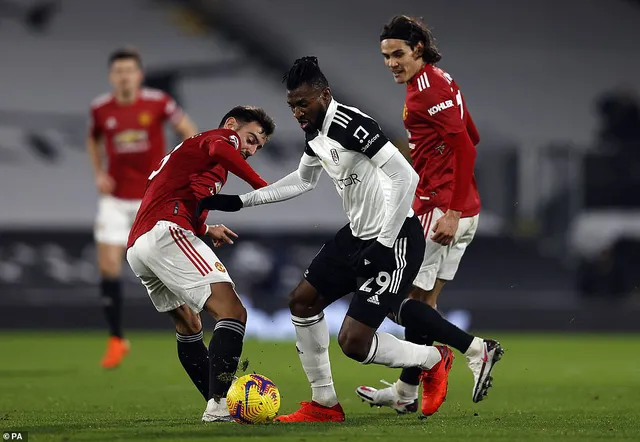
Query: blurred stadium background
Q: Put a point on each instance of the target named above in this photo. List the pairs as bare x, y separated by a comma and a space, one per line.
552, 85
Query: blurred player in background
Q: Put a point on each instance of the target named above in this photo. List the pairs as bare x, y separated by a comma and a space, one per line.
127, 126
442, 139
182, 275
377, 255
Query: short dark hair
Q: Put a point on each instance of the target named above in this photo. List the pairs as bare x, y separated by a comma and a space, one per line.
127, 53
413, 31
305, 70
249, 114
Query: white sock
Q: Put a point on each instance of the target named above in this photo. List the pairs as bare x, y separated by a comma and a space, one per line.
476, 347
406, 391
312, 342
388, 350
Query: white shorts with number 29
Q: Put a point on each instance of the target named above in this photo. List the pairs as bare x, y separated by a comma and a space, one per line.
176, 267
441, 262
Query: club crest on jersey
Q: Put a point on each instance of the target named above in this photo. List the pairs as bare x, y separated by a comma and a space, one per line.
235, 140
215, 190
111, 122
335, 157
145, 118
405, 112
220, 267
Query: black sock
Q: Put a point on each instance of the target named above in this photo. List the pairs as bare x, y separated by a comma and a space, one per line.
111, 293
194, 357
425, 320
411, 375
225, 349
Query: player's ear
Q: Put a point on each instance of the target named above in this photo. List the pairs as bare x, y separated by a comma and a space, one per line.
418, 50
325, 95
231, 123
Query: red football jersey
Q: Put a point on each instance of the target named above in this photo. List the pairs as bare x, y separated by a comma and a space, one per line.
133, 137
434, 107
195, 168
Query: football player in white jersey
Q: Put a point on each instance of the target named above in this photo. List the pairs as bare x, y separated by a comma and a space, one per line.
376, 256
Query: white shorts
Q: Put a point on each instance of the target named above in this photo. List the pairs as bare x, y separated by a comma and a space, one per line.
441, 262
176, 267
114, 220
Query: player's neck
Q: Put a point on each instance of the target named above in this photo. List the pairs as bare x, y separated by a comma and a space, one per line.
420, 68
125, 98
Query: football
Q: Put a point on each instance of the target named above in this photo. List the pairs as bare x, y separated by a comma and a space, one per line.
253, 399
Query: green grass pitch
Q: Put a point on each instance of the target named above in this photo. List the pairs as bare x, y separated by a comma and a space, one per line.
547, 387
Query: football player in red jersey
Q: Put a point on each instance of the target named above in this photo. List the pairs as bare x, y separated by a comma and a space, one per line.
126, 126
181, 273
442, 139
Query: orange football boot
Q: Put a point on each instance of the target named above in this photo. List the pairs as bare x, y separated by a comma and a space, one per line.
436, 381
117, 349
314, 412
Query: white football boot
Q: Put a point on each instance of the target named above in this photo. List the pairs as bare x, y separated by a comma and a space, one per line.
217, 411
387, 397
481, 358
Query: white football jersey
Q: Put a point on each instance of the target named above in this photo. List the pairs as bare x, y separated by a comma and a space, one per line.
349, 148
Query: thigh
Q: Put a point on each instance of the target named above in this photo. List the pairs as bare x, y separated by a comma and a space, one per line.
330, 273
451, 261
113, 221
434, 253
377, 296
184, 263
161, 296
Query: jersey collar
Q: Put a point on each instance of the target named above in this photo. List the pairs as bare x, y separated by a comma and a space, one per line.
414, 80
331, 110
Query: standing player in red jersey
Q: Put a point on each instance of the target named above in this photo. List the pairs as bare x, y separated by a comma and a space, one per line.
181, 273
128, 123
442, 139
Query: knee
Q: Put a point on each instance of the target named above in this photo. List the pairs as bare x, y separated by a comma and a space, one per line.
303, 305
236, 311
354, 346
425, 296
109, 267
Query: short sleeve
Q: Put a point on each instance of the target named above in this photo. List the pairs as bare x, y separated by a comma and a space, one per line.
172, 111
357, 132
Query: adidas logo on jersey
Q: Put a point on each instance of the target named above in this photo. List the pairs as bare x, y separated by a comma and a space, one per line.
374, 300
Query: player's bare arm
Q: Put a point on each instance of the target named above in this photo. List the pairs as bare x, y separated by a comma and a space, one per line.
185, 127
104, 183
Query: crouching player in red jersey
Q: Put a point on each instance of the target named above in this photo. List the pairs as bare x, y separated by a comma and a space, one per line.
442, 139
181, 273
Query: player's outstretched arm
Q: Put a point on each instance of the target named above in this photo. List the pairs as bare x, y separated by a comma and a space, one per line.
296, 183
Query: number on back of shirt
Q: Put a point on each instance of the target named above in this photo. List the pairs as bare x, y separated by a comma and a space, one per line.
163, 162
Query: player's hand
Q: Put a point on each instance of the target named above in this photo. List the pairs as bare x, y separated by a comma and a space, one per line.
220, 234
224, 203
446, 227
105, 183
375, 258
